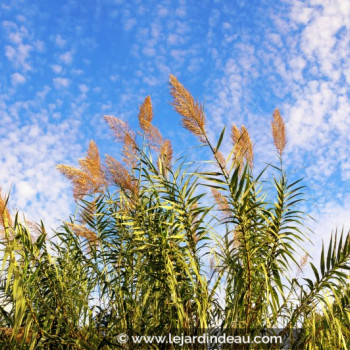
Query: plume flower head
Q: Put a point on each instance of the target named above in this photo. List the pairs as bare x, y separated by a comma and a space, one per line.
221, 161
152, 134
5, 216
243, 147
193, 117
221, 202
126, 136
83, 231
120, 176
90, 178
278, 132
146, 114
303, 262
165, 156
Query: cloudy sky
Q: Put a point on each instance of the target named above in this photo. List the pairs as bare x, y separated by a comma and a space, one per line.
64, 64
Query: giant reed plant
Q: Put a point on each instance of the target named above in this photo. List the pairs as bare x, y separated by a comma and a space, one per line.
151, 252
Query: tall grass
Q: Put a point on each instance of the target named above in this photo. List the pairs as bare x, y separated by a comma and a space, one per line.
153, 252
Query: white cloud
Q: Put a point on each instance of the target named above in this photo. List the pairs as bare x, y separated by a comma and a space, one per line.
18, 52
304, 64
318, 113
66, 58
17, 79
19, 55
330, 217
56, 68
28, 156
149, 51
15, 37
83, 88
25, 192
129, 24
59, 41
61, 82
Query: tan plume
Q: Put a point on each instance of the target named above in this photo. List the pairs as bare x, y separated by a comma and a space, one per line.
242, 144
126, 136
83, 231
221, 202
91, 164
120, 175
146, 114
34, 229
152, 134
303, 262
193, 117
154, 138
221, 160
5, 217
90, 178
278, 132
165, 156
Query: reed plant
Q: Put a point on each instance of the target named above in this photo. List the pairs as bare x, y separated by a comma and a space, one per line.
161, 246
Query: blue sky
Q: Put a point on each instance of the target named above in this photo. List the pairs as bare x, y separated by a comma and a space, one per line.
65, 64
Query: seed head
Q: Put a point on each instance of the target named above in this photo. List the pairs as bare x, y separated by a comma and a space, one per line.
146, 114
165, 157
303, 262
222, 202
243, 147
5, 217
126, 136
278, 132
90, 178
193, 118
83, 231
119, 175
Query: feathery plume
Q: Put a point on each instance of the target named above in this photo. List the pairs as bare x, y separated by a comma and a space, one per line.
126, 136
129, 151
83, 231
165, 156
247, 143
278, 132
146, 114
221, 159
235, 134
120, 175
79, 179
119, 127
90, 178
34, 229
222, 202
5, 217
243, 144
152, 134
193, 118
154, 138
303, 262
91, 164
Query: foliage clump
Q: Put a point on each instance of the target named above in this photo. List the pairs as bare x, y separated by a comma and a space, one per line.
151, 252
